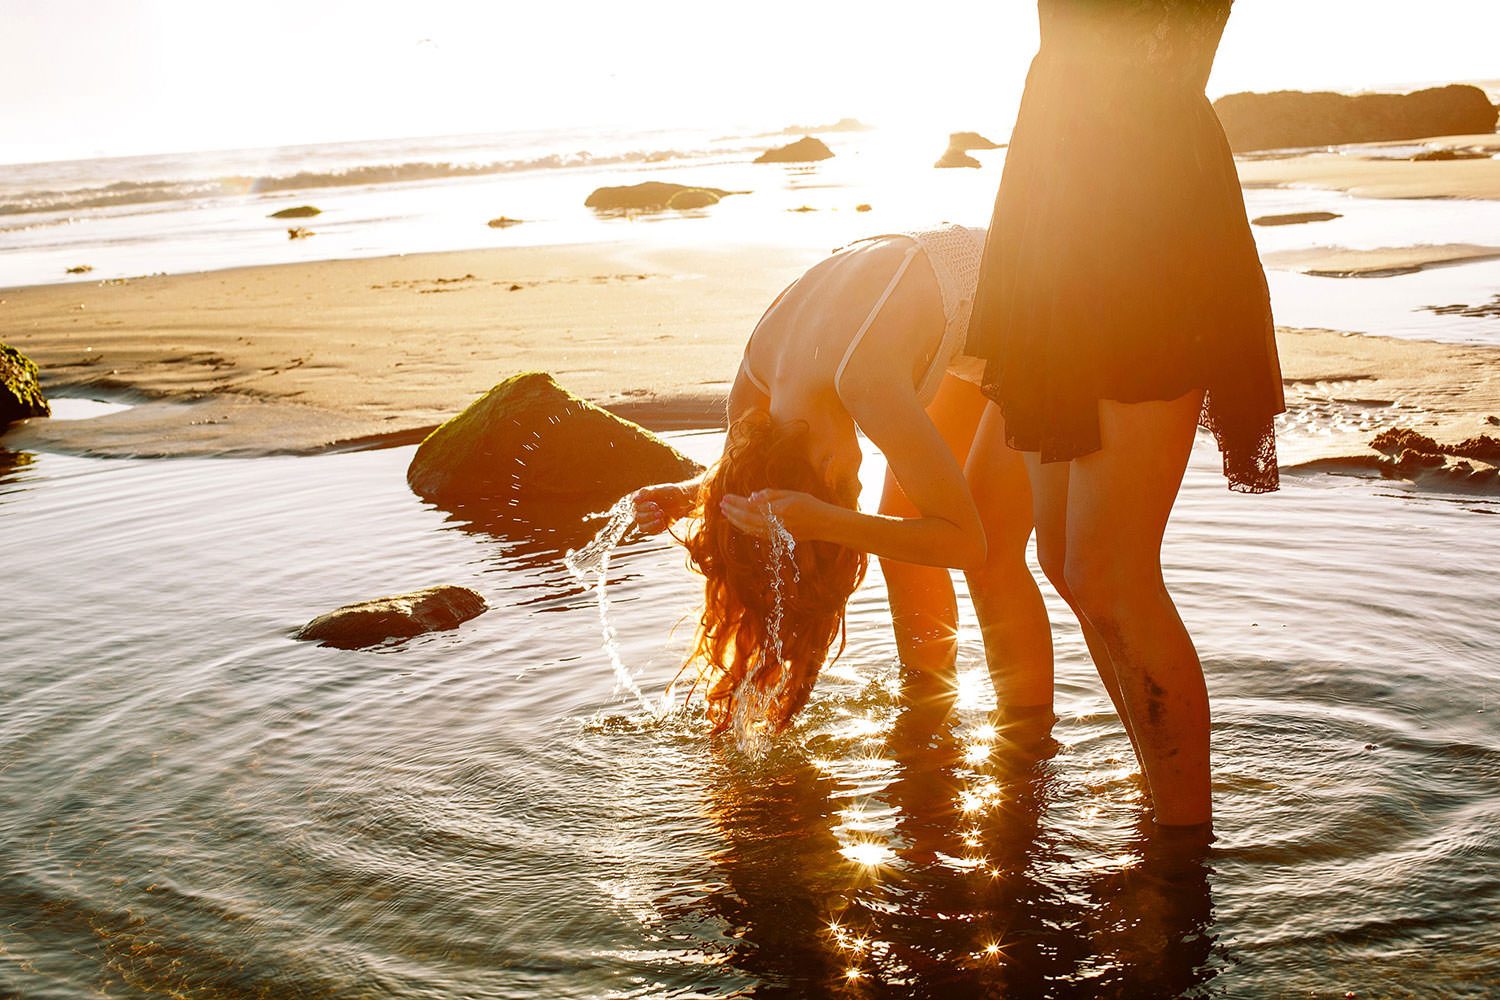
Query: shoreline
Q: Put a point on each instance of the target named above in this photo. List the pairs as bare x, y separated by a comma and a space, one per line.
375, 352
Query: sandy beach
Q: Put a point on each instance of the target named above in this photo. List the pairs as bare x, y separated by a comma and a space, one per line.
339, 354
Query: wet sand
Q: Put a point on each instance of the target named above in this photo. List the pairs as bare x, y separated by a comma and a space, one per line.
337, 354
1368, 170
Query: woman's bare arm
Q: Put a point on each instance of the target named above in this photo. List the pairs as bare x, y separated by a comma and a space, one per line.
948, 532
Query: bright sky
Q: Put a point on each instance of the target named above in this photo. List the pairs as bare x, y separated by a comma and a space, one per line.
108, 77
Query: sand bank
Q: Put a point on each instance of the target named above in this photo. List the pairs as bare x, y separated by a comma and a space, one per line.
305, 357
1342, 262
1370, 171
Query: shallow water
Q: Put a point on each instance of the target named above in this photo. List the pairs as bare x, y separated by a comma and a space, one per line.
194, 804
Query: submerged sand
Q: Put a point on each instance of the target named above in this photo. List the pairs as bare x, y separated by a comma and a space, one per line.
307, 357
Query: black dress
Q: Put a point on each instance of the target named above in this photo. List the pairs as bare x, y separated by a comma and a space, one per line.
1119, 263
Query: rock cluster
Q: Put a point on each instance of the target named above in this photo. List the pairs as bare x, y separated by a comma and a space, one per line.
398, 617
1292, 118
20, 395
529, 441
1406, 452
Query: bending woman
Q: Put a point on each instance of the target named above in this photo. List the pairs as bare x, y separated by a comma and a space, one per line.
1121, 304
866, 340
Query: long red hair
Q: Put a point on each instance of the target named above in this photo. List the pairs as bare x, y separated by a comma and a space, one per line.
733, 648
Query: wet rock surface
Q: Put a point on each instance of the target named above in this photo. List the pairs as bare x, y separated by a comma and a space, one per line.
529, 441
20, 395
401, 616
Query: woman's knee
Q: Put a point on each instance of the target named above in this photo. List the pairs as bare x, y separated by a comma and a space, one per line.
1104, 582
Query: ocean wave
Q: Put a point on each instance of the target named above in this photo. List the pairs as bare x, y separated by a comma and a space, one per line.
146, 192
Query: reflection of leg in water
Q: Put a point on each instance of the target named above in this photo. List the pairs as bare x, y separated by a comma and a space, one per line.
1150, 925
781, 881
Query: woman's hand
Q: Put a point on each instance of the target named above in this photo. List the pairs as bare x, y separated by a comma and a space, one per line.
800, 513
656, 507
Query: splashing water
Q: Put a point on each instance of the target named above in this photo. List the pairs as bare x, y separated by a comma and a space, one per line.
752, 703
590, 565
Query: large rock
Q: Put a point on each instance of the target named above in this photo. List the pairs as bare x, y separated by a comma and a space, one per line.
804, 150
398, 617
20, 395
528, 439
1289, 118
296, 212
646, 195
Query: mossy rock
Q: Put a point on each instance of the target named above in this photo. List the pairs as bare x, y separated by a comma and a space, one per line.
20, 395
804, 150
528, 439
692, 198
398, 617
646, 195
297, 212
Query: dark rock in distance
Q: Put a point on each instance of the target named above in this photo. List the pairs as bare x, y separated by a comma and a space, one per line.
970, 140
504, 221
398, 617
646, 195
81, 269
956, 158
529, 440
297, 212
804, 150
1293, 218
1292, 118
20, 395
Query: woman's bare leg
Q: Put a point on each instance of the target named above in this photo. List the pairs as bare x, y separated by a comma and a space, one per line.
1049, 491
1119, 499
924, 609
1012, 615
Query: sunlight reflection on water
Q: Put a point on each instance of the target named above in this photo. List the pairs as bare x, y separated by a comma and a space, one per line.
190, 801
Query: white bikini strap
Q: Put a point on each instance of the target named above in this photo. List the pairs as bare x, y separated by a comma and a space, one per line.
838, 373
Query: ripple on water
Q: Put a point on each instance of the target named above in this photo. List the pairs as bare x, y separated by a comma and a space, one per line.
192, 802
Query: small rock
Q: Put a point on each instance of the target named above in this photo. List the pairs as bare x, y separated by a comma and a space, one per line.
298, 233
863, 207
298, 212
20, 395
401, 616
804, 150
81, 269
504, 221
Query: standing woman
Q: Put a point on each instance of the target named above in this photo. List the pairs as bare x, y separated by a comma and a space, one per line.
1121, 303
